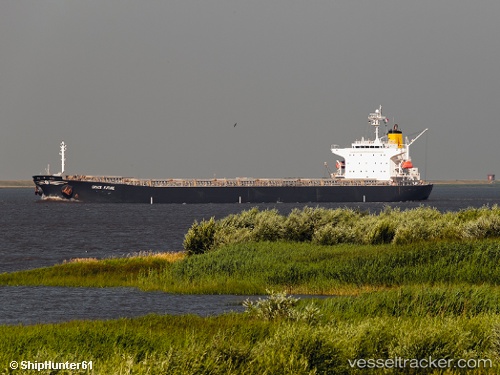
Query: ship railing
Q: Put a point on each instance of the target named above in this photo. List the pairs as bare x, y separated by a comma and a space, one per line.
369, 143
241, 182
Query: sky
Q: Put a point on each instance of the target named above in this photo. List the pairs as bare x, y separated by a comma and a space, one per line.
152, 89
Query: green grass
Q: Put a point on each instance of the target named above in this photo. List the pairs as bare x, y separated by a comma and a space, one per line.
251, 268
439, 300
248, 268
91, 272
417, 301
241, 344
413, 285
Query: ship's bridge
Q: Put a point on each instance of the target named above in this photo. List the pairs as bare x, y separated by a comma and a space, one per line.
383, 158
369, 160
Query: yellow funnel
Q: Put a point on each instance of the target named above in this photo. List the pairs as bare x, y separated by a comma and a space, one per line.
395, 136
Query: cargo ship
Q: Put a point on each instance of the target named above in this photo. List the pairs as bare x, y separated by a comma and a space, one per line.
371, 170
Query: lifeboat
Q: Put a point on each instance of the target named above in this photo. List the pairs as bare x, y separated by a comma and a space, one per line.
407, 164
340, 164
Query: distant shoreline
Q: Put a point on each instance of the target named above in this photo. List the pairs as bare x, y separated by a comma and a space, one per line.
16, 184
7, 184
461, 182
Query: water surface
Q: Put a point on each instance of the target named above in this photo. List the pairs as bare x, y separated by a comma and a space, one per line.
36, 233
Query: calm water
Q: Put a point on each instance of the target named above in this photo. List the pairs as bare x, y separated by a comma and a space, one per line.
35, 234
31, 305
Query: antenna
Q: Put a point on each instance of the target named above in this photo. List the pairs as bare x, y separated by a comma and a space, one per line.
63, 159
375, 119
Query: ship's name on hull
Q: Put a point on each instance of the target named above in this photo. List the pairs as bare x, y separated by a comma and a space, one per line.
101, 187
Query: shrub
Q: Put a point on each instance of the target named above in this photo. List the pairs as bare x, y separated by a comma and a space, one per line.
279, 305
486, 226
245, 219
334, 234
343, 225
200, 237
299, 225
375, 230
268, 226
276, 305
231, 235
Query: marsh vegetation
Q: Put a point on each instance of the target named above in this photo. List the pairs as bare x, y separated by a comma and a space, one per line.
409, 284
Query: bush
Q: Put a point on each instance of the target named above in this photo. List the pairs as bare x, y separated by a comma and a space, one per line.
343, 225
268, 226
226, 235
279, 305
299, 225
276, 305
483, 227
200, 237
380, 230
334, 234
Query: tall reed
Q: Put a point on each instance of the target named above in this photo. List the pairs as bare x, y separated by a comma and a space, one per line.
242, 344
248, 268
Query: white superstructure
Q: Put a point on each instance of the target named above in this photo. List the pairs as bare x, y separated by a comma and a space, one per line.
385, 158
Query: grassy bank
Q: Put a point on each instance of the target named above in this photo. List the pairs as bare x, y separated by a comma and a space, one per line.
346, 329
251, 268
315, 269
434, 293
91, 272
438, 300
314, 251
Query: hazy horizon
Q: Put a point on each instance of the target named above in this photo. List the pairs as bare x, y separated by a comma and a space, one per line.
153, 89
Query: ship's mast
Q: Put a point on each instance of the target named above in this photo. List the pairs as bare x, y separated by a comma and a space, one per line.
63, 158
375, 119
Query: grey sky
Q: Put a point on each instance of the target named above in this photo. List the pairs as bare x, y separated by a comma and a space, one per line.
153, 88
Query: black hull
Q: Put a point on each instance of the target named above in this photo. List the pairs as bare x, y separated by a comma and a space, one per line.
85, 191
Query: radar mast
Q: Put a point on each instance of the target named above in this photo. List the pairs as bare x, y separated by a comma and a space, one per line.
375, 119
63, 158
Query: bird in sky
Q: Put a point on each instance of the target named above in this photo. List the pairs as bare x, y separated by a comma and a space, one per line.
235, 124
